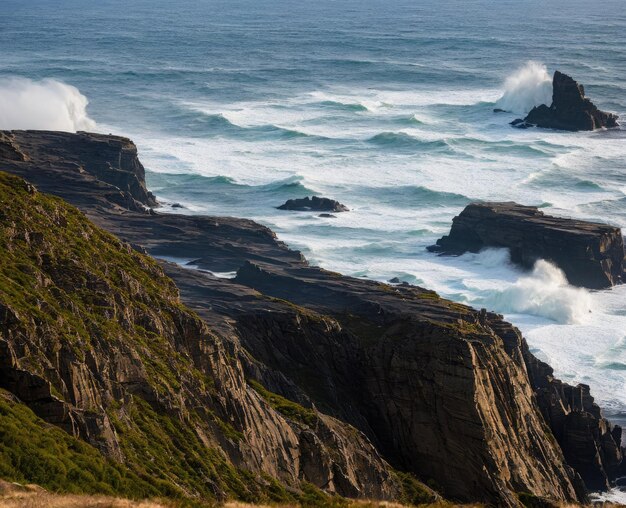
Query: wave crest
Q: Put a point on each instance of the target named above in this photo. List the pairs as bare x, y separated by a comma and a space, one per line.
42, 105
527, 87
405, 140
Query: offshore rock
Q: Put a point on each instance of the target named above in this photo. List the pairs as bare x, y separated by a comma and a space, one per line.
570, 109
313, 204
590, 254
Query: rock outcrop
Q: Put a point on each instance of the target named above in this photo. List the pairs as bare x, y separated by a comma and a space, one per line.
302, 375
570, 109
590, 254
591, 444
313, 204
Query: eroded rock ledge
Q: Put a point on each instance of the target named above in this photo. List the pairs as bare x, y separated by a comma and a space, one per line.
590, 254
434, 388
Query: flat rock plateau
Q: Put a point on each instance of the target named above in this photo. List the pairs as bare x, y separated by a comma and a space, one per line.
286, 384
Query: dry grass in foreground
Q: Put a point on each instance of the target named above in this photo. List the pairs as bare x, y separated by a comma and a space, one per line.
13, 495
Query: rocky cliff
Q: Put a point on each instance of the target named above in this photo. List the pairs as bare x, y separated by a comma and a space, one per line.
287, 376
590, 254
95, 340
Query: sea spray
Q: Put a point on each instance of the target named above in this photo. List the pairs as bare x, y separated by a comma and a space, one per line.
544, 292
42, 105
528, 86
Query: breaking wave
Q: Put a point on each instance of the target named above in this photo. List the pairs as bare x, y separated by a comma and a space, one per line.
527, 87
42, 105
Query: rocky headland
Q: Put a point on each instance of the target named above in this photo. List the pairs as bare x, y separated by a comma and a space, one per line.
288, 383
570, 109
590, 254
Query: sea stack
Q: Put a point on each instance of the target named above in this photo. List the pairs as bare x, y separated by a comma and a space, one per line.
570, 109
591, 255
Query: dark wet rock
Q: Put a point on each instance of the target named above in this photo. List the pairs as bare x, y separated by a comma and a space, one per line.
177, 205
327, 216
521, 124
313, 204
590, 254
570, 109
498, 110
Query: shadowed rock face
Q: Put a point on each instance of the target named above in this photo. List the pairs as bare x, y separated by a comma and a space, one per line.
570, 109
313, 204
590, 254
438, 389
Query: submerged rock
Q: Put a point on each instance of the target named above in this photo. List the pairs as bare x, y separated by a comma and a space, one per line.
570, 109
314, 204
520, 123
590, 254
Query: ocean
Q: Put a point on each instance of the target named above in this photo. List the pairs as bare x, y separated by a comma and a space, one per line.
386, 106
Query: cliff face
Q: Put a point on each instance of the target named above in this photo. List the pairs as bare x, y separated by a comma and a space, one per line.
281, 367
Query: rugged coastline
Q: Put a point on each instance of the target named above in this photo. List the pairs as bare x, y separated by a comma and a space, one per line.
447, 393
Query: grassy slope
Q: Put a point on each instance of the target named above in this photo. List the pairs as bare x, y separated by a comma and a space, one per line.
62, 275
33, 451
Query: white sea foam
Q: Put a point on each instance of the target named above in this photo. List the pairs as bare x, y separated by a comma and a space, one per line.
528, 86
42, 105
612, 496
544, 292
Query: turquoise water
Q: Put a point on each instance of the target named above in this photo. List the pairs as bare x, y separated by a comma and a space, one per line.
237, 106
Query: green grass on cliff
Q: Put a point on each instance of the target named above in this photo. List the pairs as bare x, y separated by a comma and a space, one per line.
33, 451
285, 406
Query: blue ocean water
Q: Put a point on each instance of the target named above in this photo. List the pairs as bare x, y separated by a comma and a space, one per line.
387, 106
